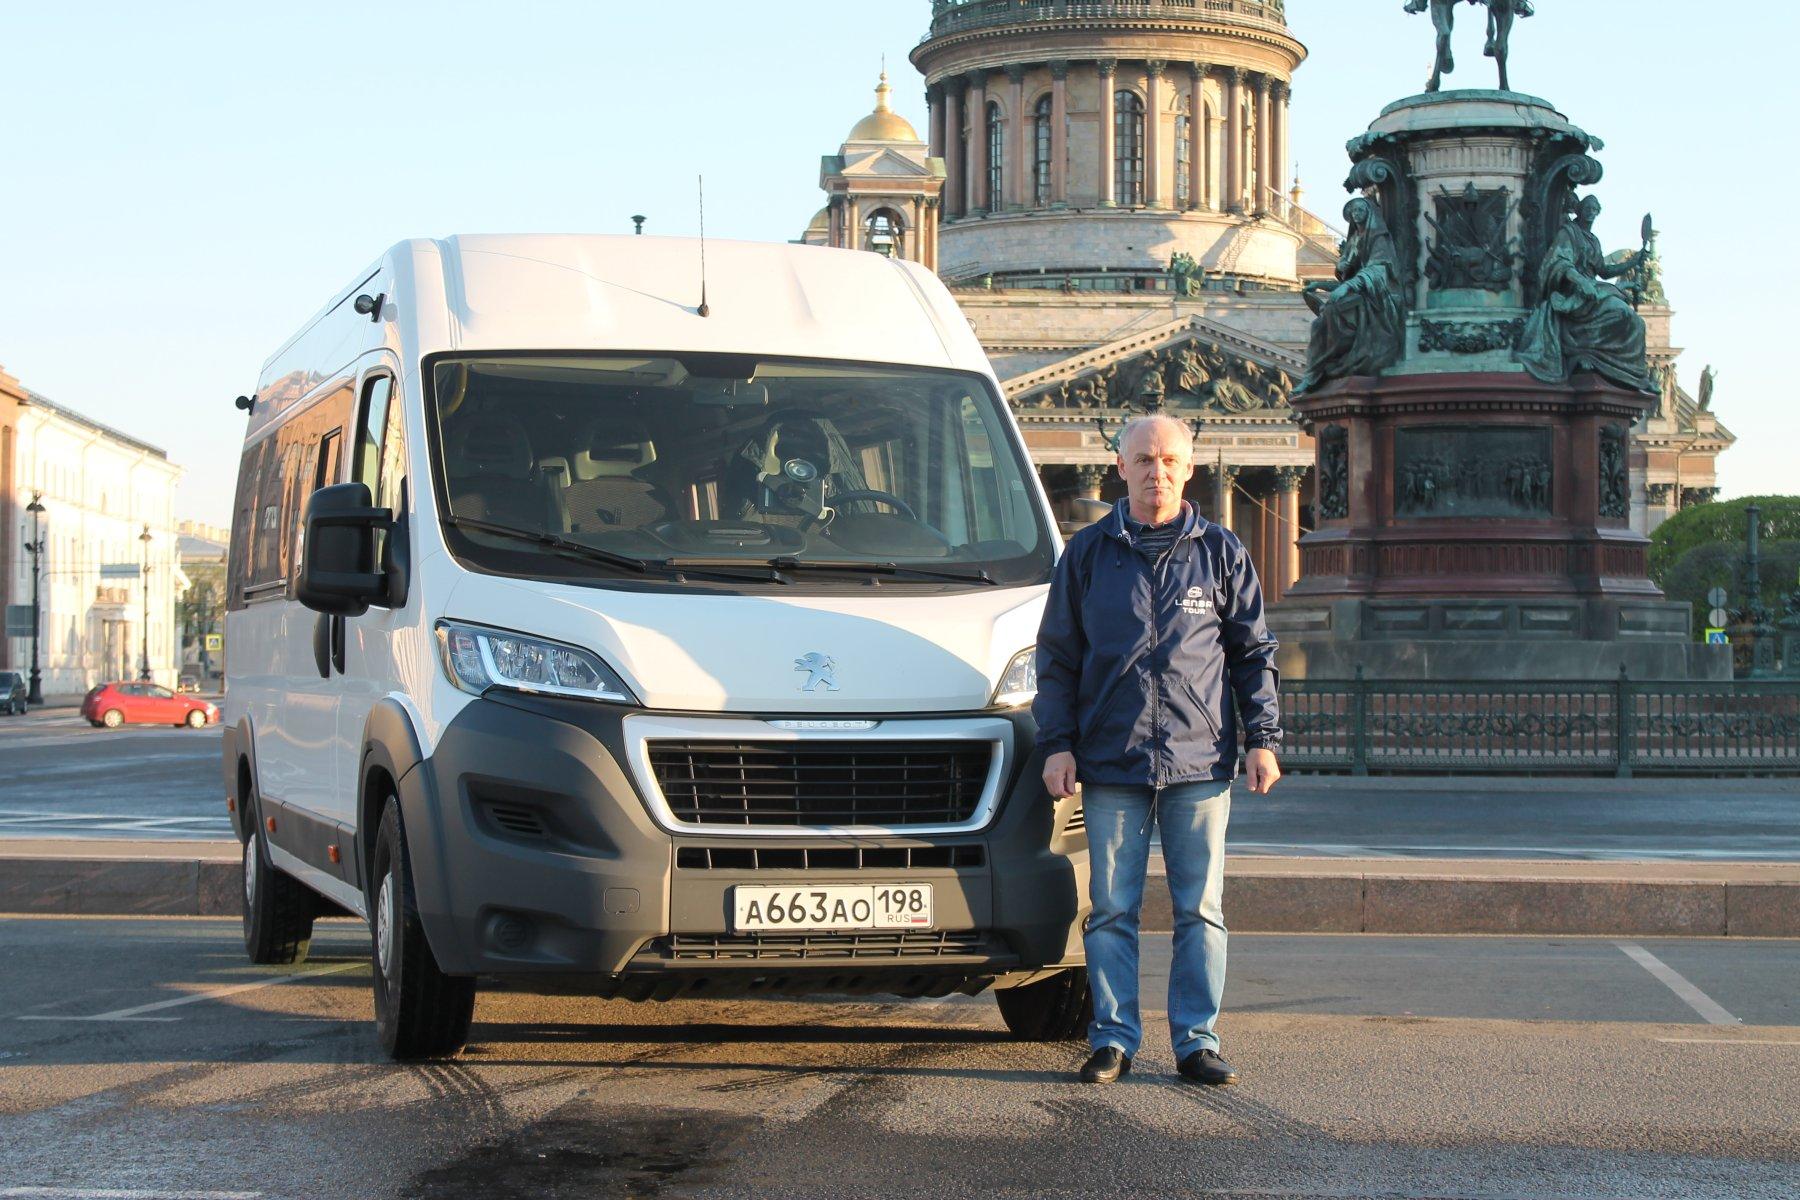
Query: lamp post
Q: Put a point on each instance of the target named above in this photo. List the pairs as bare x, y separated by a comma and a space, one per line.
36, 549
144, 666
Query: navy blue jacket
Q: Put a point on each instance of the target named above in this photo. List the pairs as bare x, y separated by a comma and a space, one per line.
1139, 660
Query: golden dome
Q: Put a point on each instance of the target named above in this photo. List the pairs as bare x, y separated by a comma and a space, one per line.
821, 220
884, 124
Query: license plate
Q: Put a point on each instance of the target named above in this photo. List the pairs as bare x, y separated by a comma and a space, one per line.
832, 906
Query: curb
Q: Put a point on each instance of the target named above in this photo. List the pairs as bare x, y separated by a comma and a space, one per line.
1262, 895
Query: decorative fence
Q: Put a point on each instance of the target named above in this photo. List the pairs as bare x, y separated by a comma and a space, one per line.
1623, 727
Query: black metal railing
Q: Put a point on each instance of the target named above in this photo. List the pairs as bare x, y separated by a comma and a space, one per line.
954, 16
1618, 727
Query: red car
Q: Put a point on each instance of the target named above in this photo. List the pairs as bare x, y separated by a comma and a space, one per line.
114, 704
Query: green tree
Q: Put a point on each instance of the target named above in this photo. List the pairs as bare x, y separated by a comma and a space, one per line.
1702, 547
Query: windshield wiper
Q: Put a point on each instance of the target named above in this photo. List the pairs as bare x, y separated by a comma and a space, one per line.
556, 542
790, 563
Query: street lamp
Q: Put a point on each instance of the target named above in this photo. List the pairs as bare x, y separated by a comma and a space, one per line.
36, 549
144, 667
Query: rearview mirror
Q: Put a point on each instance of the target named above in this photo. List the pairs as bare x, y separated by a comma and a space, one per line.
728, 393
338, 574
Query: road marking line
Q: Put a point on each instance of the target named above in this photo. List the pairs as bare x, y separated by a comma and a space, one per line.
1732, 1041
122, 1194
133, 1014
1699, 1001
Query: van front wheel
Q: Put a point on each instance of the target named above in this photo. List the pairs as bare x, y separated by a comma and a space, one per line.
1056, 1009
420, 1012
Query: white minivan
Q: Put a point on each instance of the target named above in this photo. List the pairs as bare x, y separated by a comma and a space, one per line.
603, 626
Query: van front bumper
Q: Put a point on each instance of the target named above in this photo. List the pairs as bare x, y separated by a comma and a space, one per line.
535, 853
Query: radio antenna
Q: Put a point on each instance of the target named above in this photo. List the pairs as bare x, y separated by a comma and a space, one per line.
703, 309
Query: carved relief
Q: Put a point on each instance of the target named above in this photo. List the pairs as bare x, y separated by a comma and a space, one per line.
1472, 249
1443, 471
1615, 478
1190, 375
1334, 473
1469, 337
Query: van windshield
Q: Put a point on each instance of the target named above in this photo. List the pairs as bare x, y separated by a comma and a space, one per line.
727, 471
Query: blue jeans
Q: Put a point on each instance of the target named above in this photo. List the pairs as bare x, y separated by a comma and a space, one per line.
1191, 818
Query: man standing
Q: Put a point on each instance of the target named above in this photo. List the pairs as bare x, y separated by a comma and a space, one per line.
1152, 642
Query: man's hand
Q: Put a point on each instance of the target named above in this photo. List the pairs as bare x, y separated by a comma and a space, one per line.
1260, 768
1059, 774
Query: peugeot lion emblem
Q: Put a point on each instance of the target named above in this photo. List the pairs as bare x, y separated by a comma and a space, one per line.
819, 669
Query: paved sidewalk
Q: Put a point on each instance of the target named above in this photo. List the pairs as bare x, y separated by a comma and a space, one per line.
1263, 894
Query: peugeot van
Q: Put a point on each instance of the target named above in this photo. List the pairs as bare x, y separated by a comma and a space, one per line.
604, 621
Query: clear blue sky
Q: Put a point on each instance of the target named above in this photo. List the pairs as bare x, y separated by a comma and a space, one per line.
185, 182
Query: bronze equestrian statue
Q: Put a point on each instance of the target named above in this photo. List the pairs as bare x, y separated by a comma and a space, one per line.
1499, 32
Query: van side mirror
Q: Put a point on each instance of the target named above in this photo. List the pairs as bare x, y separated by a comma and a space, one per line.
338, 574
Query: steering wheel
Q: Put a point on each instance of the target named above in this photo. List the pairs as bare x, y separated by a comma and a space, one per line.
887, 498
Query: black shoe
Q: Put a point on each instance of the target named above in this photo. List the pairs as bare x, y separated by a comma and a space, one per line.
1105, 1065
1205, 1066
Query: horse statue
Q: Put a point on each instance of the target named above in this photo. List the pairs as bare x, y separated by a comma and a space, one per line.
1500, 16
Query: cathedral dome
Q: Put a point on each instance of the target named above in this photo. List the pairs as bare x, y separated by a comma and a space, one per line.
884, 124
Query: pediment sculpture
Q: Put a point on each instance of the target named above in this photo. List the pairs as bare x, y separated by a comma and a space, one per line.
1193, 375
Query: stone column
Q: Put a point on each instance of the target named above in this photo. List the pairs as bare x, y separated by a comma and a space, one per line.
1105, 68
978, 142
1153, 105
1198, 134
1092, 476
1233, 199
1224, 497
934, 104
1265, 143
1278, 176
1287, 483
1059, 134
953, 172
1017, 176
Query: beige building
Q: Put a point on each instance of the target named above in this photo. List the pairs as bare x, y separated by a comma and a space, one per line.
1117, 218
102, 492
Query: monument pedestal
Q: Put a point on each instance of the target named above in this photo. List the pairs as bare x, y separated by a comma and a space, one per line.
1475, 525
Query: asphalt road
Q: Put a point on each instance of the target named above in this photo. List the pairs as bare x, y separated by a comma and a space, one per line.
146, 1058
59, 777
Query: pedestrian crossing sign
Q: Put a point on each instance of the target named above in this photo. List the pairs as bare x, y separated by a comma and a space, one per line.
1716, 637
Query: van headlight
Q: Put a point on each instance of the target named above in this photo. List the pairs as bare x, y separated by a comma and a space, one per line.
1018, 683
476, 659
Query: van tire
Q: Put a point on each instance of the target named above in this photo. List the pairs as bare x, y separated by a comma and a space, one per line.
278, 909
1057, 1009
420, 1012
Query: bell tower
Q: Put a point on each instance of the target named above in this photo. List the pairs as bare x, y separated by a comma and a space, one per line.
883, 189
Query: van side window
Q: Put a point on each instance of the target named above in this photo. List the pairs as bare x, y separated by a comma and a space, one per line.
243, 526
381, 449
378, 390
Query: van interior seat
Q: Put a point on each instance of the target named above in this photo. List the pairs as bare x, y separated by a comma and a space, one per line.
607, 488
492, 473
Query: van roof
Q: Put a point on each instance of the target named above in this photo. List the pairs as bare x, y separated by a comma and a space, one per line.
629, 292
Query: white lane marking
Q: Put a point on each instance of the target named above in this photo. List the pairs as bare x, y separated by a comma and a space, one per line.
1693, 997
1731, 1041
63, 1193
134, 1014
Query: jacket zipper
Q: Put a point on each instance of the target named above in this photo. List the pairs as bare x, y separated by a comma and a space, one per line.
1156, 730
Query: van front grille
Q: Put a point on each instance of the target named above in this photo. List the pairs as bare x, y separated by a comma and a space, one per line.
827, 858
821, 783
825, 947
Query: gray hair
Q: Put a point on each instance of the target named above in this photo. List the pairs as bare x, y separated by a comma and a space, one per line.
1145, 422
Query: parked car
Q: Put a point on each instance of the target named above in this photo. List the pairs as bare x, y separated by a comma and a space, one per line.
12, 693
115, 704
189, 681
